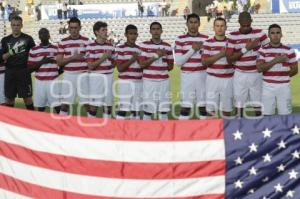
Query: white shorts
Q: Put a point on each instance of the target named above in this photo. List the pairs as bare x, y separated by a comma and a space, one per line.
46, 93
192, 89
276, 95
2, 96
74, 85
247, 86
156, 96
129, 95
100, 89
219, 94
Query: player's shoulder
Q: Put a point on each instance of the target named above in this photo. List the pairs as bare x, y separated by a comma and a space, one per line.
164, 43
84, 38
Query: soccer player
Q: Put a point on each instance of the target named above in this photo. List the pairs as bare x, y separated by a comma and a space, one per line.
100, 55
278, 63
243, 46
71, 51
219, 88
188, 55
42, 61
156, 60
130, 75
2, 71
17, 80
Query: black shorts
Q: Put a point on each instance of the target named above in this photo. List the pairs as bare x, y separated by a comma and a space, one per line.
17, 82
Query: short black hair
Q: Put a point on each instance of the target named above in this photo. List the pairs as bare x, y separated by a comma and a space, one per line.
17, 18
74, 20
220, 19
130, 27
274, 25
245, 16
44, 29
98, 25
155, 23
192, 15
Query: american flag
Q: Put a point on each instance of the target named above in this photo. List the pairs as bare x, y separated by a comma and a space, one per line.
42, 157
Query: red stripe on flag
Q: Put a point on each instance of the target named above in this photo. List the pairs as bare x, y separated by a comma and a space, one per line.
111, 169
116, 129
30, 190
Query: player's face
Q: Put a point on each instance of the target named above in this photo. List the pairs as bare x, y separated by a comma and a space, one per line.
193, 25
220, 28
156, 31
131, 36
245, 26
102, 33
44, 36
74, 29
275, 35
16, 26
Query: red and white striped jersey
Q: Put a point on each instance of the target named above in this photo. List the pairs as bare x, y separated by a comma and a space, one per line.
220, 68
279, 73
124, 53
46, 71
68, 47
95, 51
158, 70
183, 44
237, 41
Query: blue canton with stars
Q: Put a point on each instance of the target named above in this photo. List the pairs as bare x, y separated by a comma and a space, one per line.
263, 158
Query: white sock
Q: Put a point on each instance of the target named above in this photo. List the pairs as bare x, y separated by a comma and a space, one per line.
147, 117
201, 117
163, 116
119, 117
105, 115
184, 117
63, 113
90, 115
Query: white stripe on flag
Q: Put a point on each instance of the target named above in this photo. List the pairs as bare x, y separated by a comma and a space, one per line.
4, 194
112, 187
146, 152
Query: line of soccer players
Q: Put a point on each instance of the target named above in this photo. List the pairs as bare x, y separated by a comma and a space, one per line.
243, 68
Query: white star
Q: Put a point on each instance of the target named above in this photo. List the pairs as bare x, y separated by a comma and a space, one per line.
238, 184
251, 191
293, 174
290, 193
296, 130
296, 155
238, 161
267, 158
253, 147
281, 168
252, 171
267, 133
278, 188
266, 179
237, 135
281, 144
264, 197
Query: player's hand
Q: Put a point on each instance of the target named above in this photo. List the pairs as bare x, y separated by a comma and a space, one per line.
281, 58
107, 54
134, 56
47, 60
78, 57
161, 52
252, 44
197, 46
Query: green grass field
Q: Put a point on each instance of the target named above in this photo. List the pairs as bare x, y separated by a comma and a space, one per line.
175, 78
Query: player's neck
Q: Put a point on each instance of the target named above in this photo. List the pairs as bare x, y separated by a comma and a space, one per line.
275, 45
220, 37
130, 44
156, 41
16, 34
193, 34
100, 40
75, 36
45, 43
